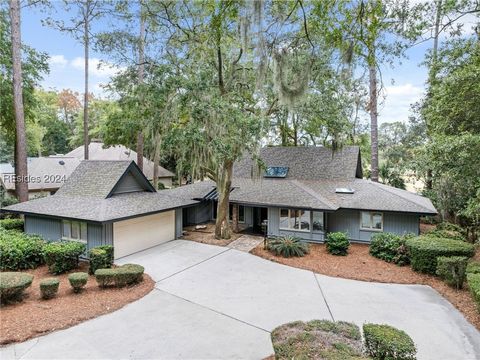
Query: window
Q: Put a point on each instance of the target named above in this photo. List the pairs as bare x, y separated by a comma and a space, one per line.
317, 221
74, 230
295, 219
372, 221
276, 172
241, 213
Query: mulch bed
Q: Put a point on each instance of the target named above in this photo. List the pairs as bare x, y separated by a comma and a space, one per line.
34, 317
360, 265
207, 235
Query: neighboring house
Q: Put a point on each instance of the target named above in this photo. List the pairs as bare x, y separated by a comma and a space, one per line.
45, 175
305, 192
96, 151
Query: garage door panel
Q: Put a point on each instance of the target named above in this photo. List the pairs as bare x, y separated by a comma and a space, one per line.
130, 236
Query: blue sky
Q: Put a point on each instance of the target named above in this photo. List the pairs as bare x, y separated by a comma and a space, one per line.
403, 85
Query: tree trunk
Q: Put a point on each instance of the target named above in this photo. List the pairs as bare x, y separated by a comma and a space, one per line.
224, 184
235, 227
86, 39
21, 171
141, 69
373, 120
156, 160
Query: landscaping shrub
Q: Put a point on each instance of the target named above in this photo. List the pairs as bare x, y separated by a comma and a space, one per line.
124, 275
101, 257
386, 342
19, 251
63, 256
49, 288
12, 224
288, 246
337, 243
452, 269
445, 234
390, 248
473, 267
12, 285
425, 250
78, 280
473, 281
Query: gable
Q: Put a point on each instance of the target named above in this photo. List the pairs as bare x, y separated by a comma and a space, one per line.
133, 180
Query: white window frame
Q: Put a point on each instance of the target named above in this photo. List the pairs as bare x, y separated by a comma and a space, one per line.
371, 214
80, 224
291, 227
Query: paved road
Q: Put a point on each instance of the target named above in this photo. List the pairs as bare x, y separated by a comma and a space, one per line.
218, 303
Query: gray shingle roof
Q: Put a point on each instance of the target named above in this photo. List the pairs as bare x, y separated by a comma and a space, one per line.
306, 162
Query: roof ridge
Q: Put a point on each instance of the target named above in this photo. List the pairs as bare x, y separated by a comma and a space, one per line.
385, 188
313, 193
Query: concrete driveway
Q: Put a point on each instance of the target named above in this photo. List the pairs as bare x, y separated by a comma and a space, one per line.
217, 303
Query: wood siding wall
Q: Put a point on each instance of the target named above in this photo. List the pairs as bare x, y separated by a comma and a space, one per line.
128, 184
48, 228
199, 213
178, 223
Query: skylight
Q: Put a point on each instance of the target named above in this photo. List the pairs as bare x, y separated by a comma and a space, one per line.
276, 172
344, 190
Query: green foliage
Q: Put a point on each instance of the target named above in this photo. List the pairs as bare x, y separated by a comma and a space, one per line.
473, 267
445, 234
12, 285
20, 251
390, 176
337, 243
63, 256
78, 280
124, 275
101, 257
473, 281
49, 288
425, 250
12, 224
386, 342
390, 247
452, 269
287, 246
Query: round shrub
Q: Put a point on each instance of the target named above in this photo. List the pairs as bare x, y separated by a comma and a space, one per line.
387, 342
388, 247
105, 277
63, 256
452, 269
425, 250
12, 224
473, 281
124, 275
473, 267
49, 288
78, 280
287, 246
19, 251
337, 243
101, 257
12, 285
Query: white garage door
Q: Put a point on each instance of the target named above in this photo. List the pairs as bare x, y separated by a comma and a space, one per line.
130, 236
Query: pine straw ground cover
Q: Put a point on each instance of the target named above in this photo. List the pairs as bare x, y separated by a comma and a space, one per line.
360, 265
34, 317
207, 235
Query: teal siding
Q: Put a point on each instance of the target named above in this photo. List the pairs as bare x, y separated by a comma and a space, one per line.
128, 184
107, 234
200, 213
178, 223
48, 228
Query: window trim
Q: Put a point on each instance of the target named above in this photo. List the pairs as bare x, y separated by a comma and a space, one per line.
323, 222
371, 213
309, 230
230, 214
70, 238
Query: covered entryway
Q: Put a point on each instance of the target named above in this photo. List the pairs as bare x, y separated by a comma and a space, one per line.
133, 235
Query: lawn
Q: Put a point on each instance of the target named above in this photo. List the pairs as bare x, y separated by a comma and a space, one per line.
360, 265
33, 316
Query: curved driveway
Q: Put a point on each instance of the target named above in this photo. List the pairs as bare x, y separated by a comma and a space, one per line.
218, 303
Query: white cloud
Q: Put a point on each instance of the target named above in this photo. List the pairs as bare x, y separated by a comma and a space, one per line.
96, 67
58, 60
397, 102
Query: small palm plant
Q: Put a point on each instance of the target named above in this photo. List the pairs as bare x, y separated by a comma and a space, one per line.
287, 246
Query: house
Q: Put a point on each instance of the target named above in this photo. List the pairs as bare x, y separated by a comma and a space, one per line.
302, 191
97, 151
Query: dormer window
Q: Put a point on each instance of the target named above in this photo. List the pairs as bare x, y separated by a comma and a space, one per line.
344, 190
276, 172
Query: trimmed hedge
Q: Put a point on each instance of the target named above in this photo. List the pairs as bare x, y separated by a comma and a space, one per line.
288, 246
452, 269
124, 275
425, 250
473, 281
337, 243
49, 288
63, 256
386, 342
101, 257
77, 281
473, 267
390, 248
12, 224
19, 251
12, 285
